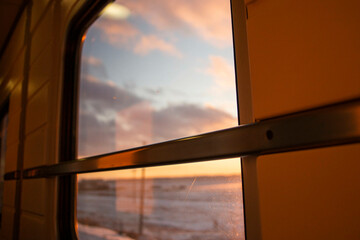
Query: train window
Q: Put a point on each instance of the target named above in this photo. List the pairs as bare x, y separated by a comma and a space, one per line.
155, 72
151, 73
3, 134
187, 201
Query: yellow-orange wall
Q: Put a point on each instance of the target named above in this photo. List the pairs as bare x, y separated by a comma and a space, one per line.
305, 54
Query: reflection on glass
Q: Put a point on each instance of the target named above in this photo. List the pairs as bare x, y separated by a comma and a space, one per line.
179, 202
156, 70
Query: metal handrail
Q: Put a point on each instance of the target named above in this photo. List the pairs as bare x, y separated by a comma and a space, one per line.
334, 125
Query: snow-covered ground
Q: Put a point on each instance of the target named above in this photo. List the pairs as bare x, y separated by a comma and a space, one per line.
207, 208
98, 233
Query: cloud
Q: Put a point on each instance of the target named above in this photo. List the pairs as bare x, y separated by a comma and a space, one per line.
99, 104
91, 65
210, 21
122, 34
223, 85
94, 137
151, 43
189, 119
91, 60
117, 33
134, 126
222, 72
100, 97
112, 118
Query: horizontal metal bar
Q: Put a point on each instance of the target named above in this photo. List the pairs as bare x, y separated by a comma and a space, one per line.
328, 126
12, 175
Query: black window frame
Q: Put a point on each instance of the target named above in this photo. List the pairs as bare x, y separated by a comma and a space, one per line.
4, 111
66, 209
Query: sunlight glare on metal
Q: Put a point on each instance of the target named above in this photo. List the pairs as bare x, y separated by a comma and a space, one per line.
116, 11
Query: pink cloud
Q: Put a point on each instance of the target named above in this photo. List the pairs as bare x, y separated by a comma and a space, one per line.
210, 20
189, 119
112, 118
222, 72
91, 60
90, 79
151, 43
117, 33
135, 124
93, 65
124, 35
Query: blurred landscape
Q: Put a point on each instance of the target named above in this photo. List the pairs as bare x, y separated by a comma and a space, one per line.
188, 208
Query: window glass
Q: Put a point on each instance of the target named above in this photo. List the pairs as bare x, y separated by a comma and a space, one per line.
3, 134
178, 202
153, 71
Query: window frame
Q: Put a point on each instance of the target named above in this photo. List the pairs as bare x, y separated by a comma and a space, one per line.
67, 187
4, 113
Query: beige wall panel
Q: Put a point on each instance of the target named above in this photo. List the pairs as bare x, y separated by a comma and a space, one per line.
33, 198
312, 194
13, 128
38, 10
303, 54
14, 77
11, 157
13, 72
41, 70
15, 98
42, 35
67, 10
32, 227
7, 223
35, 148
14, 47
37, 110
9, 193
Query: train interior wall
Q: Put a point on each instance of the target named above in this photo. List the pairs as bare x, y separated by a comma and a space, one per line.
31, 68
302, 55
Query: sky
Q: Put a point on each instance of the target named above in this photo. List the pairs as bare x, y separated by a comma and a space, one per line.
225, 167
153, 71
